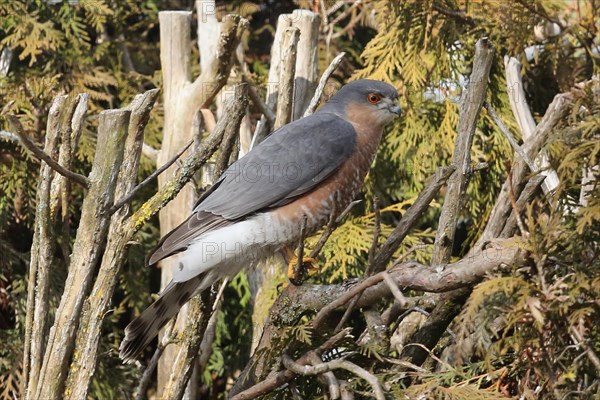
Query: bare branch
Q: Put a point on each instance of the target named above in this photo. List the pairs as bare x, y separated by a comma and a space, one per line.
516, 209
471, 101
517, 97
522, 113
42, 250
333, 223
64, 124
400, 299
316, 99
376, 234
209, 334
306, 65
255, 98
412, 275
209, 83
39, 153
97, 303
140, 391
343, 15
226, 148
92, 232
410, 217
181, 370
301, 241
502, 206
332, 365
510, 137
580, 340
350, 25
527, 194
129, 196
328, 377
287, 74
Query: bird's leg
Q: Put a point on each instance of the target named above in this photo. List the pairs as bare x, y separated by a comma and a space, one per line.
297, 274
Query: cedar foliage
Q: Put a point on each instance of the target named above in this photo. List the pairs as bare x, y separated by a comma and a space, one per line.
513, 337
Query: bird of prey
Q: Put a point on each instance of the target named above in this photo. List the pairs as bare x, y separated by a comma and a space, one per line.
299, 175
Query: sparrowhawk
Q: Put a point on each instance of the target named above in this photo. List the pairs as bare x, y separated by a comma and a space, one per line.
300, 174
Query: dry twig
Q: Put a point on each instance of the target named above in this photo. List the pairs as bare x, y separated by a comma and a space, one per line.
129, 196
510, 137
332, 365
39, 153
316, 99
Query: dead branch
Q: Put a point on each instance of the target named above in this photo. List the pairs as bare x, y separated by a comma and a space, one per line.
90, 237
209, 334
224, 156
299, 269
524, 117
400, 299
285, 100
129, 196
447, 307
471, 101
350, 25
376, 234
181, 370
411, 216
515, 209
61, 187
44, 243
339, 363
415, 276
316, 99
306, 73
502, 207
255, 98
530, 190
580, 340
167, 339
279, 378
328, 377
39, 153
97, 303
509, 137
333, 223
343, 15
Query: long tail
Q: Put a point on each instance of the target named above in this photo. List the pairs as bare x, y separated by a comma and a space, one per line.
142, 330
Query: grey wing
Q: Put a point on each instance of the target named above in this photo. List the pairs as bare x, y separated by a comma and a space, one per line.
180, 238
291, 162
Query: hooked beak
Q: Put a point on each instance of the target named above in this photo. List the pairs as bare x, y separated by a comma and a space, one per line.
395, 109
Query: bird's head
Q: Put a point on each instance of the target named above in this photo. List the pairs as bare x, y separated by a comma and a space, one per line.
365, 101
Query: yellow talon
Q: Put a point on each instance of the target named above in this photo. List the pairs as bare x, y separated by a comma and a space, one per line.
298, 274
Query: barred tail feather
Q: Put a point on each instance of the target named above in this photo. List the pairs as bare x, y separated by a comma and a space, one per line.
142, 330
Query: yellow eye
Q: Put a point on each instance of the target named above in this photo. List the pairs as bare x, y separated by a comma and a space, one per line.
373, 98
